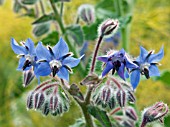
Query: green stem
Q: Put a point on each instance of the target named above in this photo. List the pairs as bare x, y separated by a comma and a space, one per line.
42, 7
61, 9
125, 30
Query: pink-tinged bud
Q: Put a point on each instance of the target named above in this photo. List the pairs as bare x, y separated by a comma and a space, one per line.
121, 97
131, 113
28, 77
108, 27
39, 100
112, 103
45, 109
153, 113
30, 100
106, 94
131, 97
127, 123
53, 103
87, 13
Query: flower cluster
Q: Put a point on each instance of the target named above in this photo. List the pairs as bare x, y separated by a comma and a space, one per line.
145, 64
44, 61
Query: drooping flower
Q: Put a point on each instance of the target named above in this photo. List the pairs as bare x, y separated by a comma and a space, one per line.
116, 60
26, 53
57, 60
147, 65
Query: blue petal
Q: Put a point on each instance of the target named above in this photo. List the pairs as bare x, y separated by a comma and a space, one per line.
130, 64
126, 74
42, 52
16, 48
103, 58
30, 44
156, 57
21, 63
120, 71
63, 73
135, 78
153, 71
42, 69
60, 49
108, 67
71, 61
122, 51
143, 54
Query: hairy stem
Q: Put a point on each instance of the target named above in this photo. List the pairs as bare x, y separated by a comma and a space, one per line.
61, 9
95, 54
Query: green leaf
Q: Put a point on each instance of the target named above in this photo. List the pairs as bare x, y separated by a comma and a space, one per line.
125, 21
29, 2
44, 18
90, 31
100, 115
51, 39
75, 31
79, 123
41, 29
164, 77
16, 7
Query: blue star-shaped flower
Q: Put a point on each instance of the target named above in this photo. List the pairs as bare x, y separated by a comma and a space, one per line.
117, 60
57, 60
26, 52
146, 62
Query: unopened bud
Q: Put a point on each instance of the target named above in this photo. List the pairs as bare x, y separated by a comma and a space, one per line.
108, 27
112, 103
127, 123
87, 13
28, 77
131, 97
121, 97
45, 109
39, 99
155, 112
30, 100
53, 103
131, 113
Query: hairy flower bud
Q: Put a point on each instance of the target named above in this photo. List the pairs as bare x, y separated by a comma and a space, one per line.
30, 100
45, 109
131, 113
104, 96
86, 13
108, 27
131, 97
54, 103
127, 123
28, 77
121, 97
39, 99
155, 112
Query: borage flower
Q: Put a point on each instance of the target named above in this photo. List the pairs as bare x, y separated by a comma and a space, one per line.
26, 53
57, 60
116, 60
146, 62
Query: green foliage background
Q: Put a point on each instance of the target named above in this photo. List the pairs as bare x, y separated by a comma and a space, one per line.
150, 28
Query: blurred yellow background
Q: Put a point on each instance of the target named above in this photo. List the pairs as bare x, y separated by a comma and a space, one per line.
150, 28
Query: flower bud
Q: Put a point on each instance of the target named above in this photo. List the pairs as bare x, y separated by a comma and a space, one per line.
39, 99
87, 13
104, 96
45, 109
121, 97
155, 112
28, 77
108, 27
131, 113
127, 123
53, 103
131, 97
30, 100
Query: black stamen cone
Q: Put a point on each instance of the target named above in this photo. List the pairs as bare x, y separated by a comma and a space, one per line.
54, 70
26, 64
146, 72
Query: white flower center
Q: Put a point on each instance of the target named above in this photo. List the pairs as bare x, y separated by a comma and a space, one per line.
56, 63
